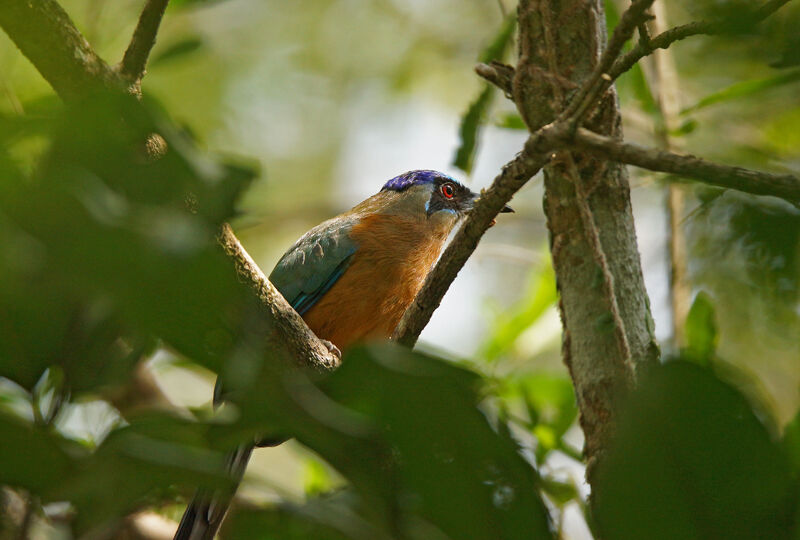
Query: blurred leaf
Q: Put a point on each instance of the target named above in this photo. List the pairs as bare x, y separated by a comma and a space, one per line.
686, 127
122, 255
691, 460
540, 295
791, 443
560, 492
757, 242
137, 464
475, 116
177, 51
317, 479
744, 89
318, 519
406, 430
496, 50
30, 457
701, 331
181, 4
470, 127
635, 82
790, 55
511, 121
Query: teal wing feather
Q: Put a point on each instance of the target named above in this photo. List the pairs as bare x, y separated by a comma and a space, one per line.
310, 268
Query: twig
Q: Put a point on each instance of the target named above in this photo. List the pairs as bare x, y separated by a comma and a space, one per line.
134, 61
513, 176
295, 336
31, 505
599, 81
498, 74
668, 37
785, 186
667, 97
47, 37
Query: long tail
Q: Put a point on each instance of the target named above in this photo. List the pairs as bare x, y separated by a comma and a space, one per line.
205, 513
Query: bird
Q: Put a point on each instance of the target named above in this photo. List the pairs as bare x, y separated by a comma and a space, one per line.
351, 278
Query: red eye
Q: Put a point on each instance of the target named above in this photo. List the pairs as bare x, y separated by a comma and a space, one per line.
448, 191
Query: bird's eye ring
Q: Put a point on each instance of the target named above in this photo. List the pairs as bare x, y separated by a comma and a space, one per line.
447, 190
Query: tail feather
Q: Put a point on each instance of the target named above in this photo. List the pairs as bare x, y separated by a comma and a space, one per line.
205, 512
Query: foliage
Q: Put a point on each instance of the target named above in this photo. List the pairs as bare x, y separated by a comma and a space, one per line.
692, 461
475, 116
107, 256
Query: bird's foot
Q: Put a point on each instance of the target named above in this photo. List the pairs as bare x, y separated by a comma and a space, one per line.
332, 348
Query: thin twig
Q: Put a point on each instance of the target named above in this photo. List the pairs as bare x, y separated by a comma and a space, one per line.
598, 82
785, 186
677, 33
47, 37
134, 61
499, 74
31, 505
667, 97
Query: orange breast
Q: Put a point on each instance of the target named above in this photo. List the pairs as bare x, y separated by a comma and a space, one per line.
394, 256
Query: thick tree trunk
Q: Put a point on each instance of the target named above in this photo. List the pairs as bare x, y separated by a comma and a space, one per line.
605, 311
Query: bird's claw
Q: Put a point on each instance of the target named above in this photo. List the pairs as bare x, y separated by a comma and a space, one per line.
332, 348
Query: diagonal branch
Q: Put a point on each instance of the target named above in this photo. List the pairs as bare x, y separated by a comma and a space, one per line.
134, 61
668, 37
513, 176
47, 37
785, 186
598, 82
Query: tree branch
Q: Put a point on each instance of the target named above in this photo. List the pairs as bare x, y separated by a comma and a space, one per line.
307, 350
668, 37
134, 61
599, 81
785, 186
47, 37
513, 176
497, 73
664, 89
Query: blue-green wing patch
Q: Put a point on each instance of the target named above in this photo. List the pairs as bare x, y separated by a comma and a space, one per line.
310, 268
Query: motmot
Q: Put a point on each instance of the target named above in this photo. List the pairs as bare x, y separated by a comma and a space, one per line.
351, 278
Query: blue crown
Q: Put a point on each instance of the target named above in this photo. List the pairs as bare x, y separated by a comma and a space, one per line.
414, 178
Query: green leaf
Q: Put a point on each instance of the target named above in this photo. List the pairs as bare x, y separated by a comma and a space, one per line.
510, 121
326, 519
791, 442
701, 330
30, 457
406, 430
177, 51
475, 116
690, 460
496, 50
560, 492
744, 89
116, 251
317, 479
143, 462
508, 326
470, 127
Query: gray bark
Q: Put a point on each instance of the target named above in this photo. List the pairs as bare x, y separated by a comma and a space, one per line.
604, 307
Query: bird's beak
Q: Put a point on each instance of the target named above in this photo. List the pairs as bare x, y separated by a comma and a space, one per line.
506, 209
